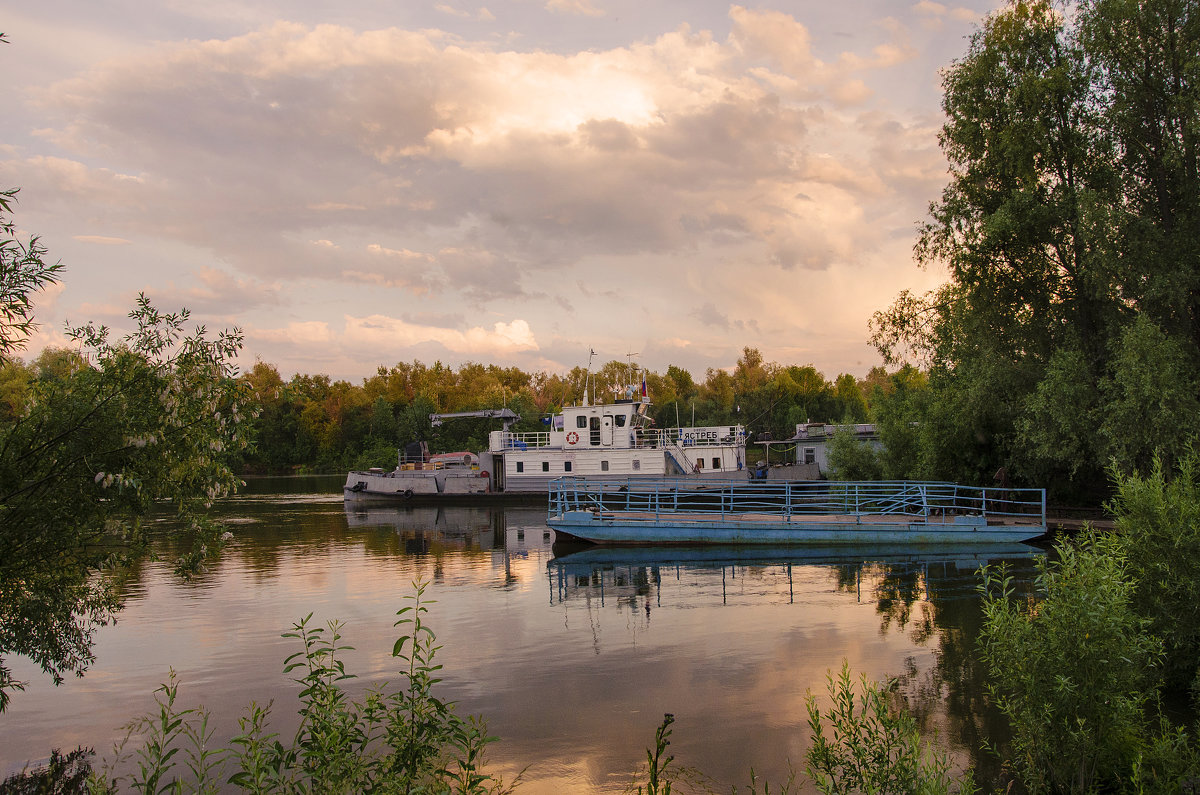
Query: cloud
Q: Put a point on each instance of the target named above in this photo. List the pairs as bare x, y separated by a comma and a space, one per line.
219, 294
935, 13
584, 7
682, 140
355, 175
101, 240
299, 333
393, 334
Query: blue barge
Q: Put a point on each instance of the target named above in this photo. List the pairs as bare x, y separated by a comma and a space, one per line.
676, 511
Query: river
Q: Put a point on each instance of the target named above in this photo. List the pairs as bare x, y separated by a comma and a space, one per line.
572, 660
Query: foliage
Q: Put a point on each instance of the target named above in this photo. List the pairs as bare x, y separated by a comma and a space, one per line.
1069, 229
152, 417
402, 740
871, 746
663, 777
61, 775
1158, 530
1075, 672
900, 409
23, 272
850, 459
658, 782
90, 440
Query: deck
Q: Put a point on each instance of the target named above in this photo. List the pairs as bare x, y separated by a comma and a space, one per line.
671, 511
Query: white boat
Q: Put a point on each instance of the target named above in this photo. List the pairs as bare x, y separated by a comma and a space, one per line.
605, 442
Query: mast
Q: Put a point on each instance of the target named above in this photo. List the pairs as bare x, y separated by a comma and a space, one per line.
587, 378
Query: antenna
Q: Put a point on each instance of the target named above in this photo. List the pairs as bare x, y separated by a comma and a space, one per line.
587, 378
630, 374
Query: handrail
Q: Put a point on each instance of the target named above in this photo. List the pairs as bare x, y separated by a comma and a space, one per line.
928, 501
654, 438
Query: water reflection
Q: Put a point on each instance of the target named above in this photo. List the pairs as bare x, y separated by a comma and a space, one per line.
928, 595
899, 577
572, 655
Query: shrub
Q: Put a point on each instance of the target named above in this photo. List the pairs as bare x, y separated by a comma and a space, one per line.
390, 741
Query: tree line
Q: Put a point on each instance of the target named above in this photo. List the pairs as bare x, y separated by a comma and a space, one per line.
314, 424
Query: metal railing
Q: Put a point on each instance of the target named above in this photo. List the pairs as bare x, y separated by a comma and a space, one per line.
653, 438
931, 501
522, 441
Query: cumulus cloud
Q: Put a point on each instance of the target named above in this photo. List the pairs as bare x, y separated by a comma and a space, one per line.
393, 334
934, 13
642, 148
374, 172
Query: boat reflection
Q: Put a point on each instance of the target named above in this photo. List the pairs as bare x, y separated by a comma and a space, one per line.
420, 527
465, 527
621, 573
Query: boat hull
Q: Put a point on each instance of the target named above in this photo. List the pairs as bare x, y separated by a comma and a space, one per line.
599, 528
435, 485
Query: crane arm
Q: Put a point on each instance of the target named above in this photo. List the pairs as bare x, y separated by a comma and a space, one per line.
508, 416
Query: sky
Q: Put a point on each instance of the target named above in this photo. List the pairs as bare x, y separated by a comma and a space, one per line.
511, 182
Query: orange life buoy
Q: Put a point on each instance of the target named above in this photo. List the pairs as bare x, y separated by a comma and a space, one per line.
572, 437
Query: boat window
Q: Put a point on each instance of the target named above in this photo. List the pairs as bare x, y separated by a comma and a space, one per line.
545, 466
699, 463
603, 466
566, 466
620, 420
637, 464
520, 466
810, 455
581, 421
716, 463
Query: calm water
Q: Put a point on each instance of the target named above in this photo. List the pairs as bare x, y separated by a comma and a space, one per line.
573, 659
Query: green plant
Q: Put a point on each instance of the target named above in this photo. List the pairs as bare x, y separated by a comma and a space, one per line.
405, 740
658, 782
1158, 529
872, 747
1076, 673
61, 775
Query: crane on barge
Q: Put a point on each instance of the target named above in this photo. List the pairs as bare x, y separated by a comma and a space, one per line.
505, 415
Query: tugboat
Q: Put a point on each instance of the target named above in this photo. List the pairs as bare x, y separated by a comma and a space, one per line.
614, 442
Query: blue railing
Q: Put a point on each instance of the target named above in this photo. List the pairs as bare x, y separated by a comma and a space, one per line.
931, 501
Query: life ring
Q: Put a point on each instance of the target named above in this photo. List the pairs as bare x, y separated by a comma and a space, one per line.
572, 438
408, 494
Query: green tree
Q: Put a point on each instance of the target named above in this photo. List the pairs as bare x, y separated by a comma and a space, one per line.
23, 272
100, 439
1076, 674
848, 395
1150, 403
850, 459
1070, 229
899, 415
1158, 529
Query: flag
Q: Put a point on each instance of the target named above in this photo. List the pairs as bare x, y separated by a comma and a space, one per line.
643, 384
